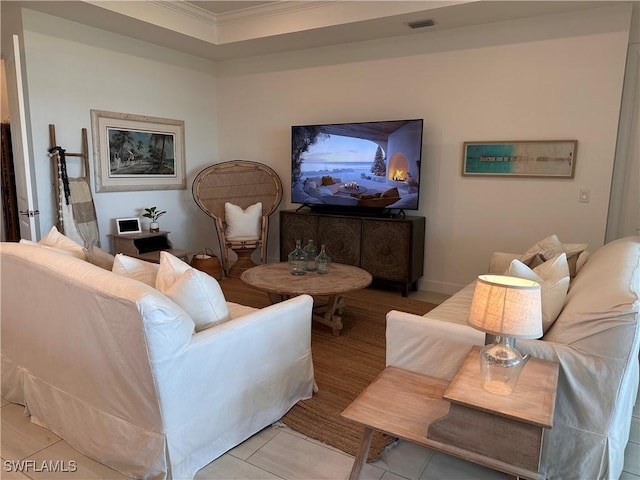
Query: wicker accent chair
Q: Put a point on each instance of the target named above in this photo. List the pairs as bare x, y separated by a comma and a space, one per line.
242, 183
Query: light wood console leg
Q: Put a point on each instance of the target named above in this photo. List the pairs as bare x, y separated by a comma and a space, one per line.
363, 452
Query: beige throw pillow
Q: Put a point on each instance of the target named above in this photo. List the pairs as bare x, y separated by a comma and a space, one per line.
196, 292
243, 223
553, 277
62, 251
545, 249
550, 247
55, 239
99, 257
135, 268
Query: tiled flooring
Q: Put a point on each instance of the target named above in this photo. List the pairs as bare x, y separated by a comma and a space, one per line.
276, 452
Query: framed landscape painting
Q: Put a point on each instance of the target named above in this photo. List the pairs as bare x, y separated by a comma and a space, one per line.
135, 152
535, 158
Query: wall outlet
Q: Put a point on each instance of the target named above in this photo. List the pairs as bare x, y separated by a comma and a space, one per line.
585, 195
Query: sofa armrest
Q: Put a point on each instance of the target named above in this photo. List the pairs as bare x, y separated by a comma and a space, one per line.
500, 262
266, 351
428, 346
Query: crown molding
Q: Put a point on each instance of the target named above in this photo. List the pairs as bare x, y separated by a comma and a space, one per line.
247, 14
189, 10
272, 10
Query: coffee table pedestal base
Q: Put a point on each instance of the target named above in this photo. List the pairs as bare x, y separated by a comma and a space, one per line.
327, 314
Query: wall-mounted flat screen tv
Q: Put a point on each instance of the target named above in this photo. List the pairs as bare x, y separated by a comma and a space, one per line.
351, 166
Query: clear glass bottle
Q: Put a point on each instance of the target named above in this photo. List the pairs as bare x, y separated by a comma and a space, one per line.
500, 365
323, 262
311, 252
298, 260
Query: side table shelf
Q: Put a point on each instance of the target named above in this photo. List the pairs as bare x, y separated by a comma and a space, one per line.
506, 433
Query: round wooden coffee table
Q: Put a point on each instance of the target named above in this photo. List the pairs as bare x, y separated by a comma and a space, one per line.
277, 281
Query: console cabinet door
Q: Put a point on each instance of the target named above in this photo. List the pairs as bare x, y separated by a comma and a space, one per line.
341, 238
296, 227
386, 249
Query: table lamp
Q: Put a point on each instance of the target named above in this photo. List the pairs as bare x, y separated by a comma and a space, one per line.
509, 308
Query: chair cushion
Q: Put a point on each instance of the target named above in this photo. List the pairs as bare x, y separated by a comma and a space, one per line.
196, 292
553, 277
243, 223
140, 270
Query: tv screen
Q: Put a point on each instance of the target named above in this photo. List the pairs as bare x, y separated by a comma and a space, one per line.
368, 165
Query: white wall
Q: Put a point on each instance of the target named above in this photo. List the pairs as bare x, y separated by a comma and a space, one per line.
552, 77
72, 68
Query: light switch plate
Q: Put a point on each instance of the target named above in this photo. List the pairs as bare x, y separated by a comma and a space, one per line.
585, 195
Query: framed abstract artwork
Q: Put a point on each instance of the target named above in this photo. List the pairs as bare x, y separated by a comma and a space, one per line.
533, 158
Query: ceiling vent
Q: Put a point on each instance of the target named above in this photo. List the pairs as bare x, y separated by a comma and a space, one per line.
421, 23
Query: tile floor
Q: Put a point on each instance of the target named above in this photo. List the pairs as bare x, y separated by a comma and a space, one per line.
276, 452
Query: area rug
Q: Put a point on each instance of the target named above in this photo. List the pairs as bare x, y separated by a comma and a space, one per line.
343, 365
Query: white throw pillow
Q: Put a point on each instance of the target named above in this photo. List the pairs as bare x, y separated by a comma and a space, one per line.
55, 239
196, 292
99, 257
243, 223
171, 267
553, 277
140, 270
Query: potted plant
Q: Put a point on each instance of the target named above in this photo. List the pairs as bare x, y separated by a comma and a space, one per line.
153, 213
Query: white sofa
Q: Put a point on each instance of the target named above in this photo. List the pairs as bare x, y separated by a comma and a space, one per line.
114, 367
595, 340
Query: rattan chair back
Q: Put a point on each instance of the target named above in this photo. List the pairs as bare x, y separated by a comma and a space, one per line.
242, 183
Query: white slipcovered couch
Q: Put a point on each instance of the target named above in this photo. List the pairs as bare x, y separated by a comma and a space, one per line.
595, 340
116, 369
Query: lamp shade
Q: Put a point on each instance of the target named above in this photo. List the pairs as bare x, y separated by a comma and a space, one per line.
507, 306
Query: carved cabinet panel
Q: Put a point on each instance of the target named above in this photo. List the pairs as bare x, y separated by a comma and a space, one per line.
391, 249
296, 227
338, 234
387, 248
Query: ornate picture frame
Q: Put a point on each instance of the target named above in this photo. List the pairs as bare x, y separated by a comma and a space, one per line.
532, 158
136, 152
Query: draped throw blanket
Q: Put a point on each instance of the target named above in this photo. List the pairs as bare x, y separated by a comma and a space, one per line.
76, 212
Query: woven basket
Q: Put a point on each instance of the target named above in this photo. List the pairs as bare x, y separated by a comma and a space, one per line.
208, 263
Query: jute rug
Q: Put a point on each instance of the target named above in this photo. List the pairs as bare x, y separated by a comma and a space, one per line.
343, 365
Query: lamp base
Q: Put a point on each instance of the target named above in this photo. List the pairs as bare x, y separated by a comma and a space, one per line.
500, 366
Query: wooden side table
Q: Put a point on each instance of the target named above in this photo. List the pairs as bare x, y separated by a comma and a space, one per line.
459, 418
146, 245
